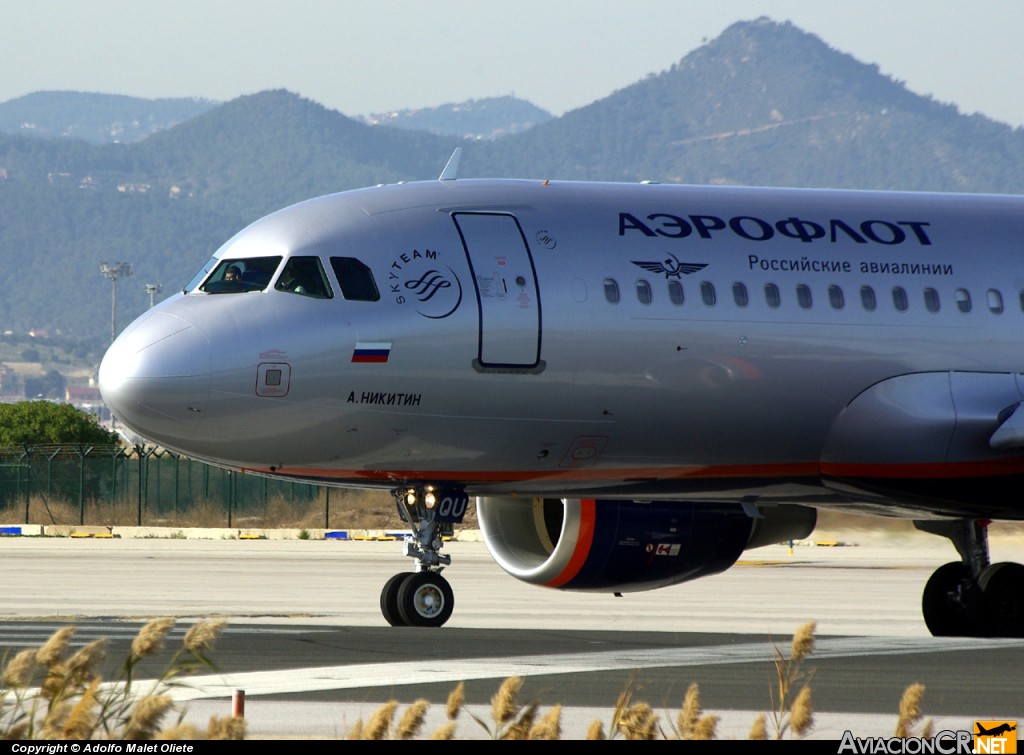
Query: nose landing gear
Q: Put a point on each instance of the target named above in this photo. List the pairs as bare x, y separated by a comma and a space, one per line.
423, 598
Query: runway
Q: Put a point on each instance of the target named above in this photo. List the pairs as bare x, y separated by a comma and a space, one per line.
306, 642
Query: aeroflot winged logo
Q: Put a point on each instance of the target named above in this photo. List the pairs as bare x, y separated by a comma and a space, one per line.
671, 266
420, 278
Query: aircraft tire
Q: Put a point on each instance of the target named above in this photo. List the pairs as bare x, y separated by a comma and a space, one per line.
944, 615
1002, 585
425, 599
389, 599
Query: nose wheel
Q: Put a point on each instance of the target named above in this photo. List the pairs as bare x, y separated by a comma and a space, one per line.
423, 598
417, 599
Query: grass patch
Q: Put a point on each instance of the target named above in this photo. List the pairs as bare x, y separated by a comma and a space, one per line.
47, 693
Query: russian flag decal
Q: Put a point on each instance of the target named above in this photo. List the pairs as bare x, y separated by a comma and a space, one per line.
371, 352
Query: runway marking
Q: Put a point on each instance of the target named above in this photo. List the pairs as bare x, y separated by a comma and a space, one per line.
24, 635
377, 675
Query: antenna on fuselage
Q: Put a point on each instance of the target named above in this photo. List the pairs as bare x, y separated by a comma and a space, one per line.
448, 174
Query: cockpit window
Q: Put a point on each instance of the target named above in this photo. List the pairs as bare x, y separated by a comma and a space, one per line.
201, 275
355, 278
304, 275
235, 276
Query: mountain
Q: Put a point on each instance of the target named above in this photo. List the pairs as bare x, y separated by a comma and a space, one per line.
110, 118
488, 118
765, 103
769, 104
96, 118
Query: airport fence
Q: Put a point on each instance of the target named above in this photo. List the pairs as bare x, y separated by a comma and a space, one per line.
154, 485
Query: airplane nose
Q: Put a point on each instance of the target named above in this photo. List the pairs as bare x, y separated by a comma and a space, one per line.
155, 378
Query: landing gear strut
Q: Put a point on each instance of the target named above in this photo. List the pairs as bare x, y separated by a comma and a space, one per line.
423, 598
972, 597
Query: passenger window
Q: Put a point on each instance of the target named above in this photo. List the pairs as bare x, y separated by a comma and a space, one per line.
835, 297
611, 290
963, 300
899, 298
675, 292
803, 296
995, 302
931, 300
707, 293
867, 298
355, 278
643, 292
241, 275
771, 295
305, 276
739, 294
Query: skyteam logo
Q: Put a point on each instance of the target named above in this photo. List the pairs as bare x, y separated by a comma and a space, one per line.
421, 279
671, 267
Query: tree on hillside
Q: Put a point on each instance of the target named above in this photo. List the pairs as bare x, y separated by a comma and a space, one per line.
39, 422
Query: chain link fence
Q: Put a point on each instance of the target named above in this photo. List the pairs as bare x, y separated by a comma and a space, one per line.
151, 485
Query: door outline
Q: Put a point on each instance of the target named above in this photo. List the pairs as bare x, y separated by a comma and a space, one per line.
507, 291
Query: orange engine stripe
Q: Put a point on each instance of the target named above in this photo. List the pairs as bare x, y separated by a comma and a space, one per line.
584, 539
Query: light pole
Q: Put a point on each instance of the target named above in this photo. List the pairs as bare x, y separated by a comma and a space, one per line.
114, 270
152, 288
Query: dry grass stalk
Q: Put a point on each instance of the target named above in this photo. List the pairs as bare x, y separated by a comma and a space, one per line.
150, 639
549, 727
518, 728
72, 702
788, 675
226, 728
706, 728
18, 673
456, 699
84, 665
803, 642
689, 714
201, 635
146, 716
801, 714
910, 710
379, 725
504, 705
759, 729
53, 650
356, 732
639, 722
411, 722
596, 731
82, 720
445, 731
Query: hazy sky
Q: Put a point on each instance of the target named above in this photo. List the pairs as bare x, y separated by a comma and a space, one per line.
368, 56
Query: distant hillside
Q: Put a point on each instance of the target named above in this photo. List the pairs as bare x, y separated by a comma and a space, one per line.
96, 118
489, 118
765, 103
768, 104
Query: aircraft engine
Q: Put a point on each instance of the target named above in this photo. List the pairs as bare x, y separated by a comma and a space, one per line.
627, 546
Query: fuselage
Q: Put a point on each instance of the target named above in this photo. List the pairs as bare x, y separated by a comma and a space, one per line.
641, 341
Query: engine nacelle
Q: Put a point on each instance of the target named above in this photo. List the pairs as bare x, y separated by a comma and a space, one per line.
627, 546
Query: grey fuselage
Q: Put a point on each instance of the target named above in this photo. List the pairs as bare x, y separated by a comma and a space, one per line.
616, 340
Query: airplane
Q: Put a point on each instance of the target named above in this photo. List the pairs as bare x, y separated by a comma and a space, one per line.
633, 382
995, 731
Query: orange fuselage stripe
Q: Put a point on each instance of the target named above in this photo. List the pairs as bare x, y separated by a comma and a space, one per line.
943, 470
